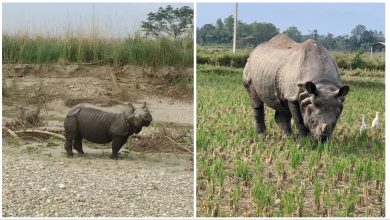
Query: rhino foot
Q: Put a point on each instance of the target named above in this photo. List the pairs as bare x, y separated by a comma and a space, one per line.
314, 144
114, 157
260, 129
81, 152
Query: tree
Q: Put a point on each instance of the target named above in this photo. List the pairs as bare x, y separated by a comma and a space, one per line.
219, 25
315, 35
263, 31
356, 36
293, 33
229, 25
363, 38
207, 33
223, 35
169, 22
341, 43
329, 42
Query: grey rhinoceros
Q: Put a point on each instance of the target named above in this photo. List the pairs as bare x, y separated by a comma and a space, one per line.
298, 80
103, 125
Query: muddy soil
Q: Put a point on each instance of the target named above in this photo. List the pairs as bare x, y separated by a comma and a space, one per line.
154, 175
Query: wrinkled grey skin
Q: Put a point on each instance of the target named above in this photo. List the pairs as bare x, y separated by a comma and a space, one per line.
102, 125
299, 81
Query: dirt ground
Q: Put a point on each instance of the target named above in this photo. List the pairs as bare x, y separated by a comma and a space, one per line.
154, 175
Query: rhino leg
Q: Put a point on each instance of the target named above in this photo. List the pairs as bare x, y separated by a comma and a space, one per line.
283, 118
68, 148
78, 145
117, 144
297, 116
257, 106
70, 126
258, 114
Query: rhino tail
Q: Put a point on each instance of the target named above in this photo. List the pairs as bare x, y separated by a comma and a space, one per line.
246, 74
246, 83
246, 80
70, 124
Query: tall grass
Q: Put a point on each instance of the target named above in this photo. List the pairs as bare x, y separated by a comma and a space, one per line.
24, 48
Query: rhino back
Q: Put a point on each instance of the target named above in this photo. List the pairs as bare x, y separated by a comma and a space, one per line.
318, 66
266, 65
116, 109
99, 126
277, 66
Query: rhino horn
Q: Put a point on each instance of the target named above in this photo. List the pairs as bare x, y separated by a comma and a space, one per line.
144, 106
323, 127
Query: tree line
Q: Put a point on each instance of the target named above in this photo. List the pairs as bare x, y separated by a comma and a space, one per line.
253, 34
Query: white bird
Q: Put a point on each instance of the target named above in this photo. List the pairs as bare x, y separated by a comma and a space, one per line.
375, 122
363, 127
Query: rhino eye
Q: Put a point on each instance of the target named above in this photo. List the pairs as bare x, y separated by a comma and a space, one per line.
312, 121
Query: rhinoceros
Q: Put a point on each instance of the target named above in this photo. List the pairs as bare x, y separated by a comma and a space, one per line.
297, 80
103, 125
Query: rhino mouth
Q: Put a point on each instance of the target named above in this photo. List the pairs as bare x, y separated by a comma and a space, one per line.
322, 139
147, 122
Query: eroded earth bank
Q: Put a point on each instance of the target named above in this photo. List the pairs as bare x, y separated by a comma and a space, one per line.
154, 175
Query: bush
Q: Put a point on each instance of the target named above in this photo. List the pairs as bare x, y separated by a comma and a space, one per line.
343, 61
357, 61
224, 60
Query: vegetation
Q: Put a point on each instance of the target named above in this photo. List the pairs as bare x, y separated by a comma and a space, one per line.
344, 60
169, 22
266, 175
23, 48
253, 34
222, 32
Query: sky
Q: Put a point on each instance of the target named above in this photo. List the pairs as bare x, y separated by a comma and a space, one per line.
335, 18
111, 19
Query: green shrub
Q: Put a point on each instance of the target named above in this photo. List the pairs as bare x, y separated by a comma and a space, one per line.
261, 195
242, 169
357, 61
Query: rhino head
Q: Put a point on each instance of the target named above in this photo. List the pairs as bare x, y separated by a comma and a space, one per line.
140, 117
320, 109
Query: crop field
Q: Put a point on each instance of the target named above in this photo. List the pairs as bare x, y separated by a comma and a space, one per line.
242, 173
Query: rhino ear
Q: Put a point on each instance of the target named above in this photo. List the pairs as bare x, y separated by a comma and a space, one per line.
131, 106
343, 91
311, 88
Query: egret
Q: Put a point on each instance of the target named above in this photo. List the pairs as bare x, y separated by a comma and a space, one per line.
363, 127
375, 122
